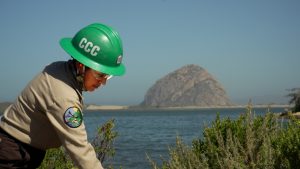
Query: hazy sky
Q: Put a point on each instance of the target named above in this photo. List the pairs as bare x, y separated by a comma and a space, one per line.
252, 47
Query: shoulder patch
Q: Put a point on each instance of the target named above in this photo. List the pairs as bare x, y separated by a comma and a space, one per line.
73, 117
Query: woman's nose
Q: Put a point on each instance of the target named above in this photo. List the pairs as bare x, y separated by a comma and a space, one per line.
103, 81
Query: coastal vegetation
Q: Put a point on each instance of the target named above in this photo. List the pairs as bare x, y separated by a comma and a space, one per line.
294, 95
102, 142
248, 142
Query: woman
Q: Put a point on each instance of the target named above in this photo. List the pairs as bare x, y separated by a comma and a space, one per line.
48, 112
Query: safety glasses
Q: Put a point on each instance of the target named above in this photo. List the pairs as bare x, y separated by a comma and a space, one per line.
100, 76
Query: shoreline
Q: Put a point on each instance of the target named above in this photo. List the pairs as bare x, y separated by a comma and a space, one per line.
106, 107
93, 107
120, 107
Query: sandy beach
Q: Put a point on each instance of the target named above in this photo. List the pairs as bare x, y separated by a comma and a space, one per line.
106, 107
119, 107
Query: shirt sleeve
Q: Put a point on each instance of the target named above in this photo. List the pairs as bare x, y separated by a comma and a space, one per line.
66, 118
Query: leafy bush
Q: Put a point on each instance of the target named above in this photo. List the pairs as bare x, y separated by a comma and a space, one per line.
103, 144
104, 140
249, 142
295, 99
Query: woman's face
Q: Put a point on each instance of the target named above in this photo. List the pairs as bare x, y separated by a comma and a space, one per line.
94, 79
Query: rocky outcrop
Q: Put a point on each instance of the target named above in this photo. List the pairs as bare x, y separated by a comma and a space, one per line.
190, 85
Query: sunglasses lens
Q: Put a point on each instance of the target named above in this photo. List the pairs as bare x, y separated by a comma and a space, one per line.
99, 76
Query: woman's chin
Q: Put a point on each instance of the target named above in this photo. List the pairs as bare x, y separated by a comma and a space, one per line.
90, 89
93, 88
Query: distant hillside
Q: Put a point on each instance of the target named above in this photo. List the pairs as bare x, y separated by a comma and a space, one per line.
190, 85
3, 106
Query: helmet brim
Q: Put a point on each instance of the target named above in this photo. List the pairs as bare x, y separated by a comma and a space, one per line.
66, 44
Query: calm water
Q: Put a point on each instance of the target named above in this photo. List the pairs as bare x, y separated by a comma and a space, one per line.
152, 132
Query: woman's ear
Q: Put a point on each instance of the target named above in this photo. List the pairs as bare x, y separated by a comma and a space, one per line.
80, 68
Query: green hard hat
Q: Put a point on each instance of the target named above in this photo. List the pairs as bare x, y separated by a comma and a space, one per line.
98, 47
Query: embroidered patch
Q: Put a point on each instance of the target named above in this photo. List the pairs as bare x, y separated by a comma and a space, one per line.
73, 117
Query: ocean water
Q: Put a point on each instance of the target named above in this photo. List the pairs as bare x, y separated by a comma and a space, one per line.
152, 132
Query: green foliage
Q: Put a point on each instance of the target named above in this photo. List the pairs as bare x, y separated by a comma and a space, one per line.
104, 140
249, 142
103, 143
56, 158
182, 157
287, 145
295, 99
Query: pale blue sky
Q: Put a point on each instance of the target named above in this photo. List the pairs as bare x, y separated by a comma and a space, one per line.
252, 47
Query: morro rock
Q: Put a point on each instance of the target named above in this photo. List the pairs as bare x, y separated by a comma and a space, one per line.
190, 85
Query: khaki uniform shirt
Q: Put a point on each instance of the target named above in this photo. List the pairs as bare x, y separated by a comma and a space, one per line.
47, 114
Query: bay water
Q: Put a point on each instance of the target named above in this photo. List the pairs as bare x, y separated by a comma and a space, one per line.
153, 132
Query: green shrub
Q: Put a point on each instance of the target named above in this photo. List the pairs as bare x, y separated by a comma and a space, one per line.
56, 158
287, 145
249, 142
294, 99
103, 143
